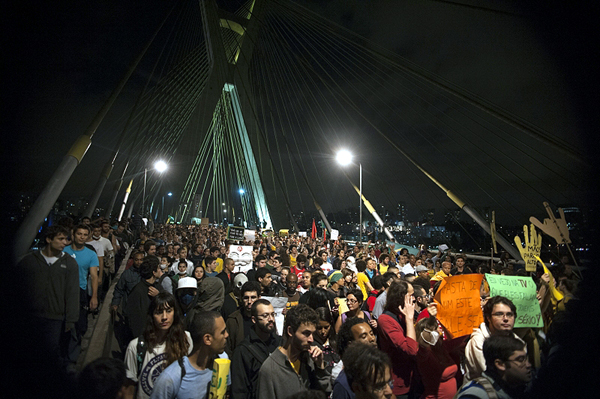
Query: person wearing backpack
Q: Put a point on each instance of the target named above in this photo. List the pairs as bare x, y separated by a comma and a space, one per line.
251, 353
163, 342
507, 374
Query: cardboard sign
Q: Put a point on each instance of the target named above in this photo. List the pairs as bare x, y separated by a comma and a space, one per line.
342, 306
335, 234
459, 304
533, 246
242, 257
235, 233
220, 377
302, 234
522, 292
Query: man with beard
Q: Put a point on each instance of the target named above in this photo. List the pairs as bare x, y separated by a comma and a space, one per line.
252, 352
239, 323
298, 365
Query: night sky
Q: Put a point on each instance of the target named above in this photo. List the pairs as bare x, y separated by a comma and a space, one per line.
531, 60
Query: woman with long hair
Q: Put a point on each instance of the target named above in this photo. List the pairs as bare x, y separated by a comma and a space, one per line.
325, 338
354, 300
438, 370
163, 342
199, 273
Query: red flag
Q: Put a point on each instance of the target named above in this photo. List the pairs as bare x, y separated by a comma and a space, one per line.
313, 234
324, 235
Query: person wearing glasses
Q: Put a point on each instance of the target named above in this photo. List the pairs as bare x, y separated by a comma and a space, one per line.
507, 374
499, 314
251, 353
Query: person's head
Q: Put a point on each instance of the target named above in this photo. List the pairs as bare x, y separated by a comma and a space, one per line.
368, 371
300, 324
422, 271
294, 250
80, 234
323, 255
263, 316
421, 296
138, 259
276, 261
163, 313
263, 275
428, 332
396, 295
285, 271
371, 264
324, 328
384, 259
86, 220
291, 282
208, 331
306, 276
319, 280
229, 265
249, 293
348, 276
395, 270
446, 267
361, 265
150, 247
355, 329
260, 261
336, 280
182, 267
104, 378
56, 237
149, 269
506, 358
378, 283
211, 263
198, 273
403, 259
354, 299
215, 252
182, 253
96, 231
499, 314
460, 261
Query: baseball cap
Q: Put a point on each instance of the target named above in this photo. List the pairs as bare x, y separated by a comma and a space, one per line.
187, 282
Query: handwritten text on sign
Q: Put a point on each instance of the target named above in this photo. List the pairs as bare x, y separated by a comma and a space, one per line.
522, 292
459, 306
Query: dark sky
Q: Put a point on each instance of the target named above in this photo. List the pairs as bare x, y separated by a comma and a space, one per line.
63, 59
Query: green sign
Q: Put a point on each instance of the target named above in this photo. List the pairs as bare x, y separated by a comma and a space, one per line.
522, 292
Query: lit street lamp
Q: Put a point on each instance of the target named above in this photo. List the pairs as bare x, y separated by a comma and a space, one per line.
344, 158
160, 166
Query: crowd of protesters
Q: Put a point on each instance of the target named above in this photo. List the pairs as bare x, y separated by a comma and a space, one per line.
360, 320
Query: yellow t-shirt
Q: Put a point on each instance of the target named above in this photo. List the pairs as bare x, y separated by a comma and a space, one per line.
382, 268
361, 279
296, 366
219, 268
292, 261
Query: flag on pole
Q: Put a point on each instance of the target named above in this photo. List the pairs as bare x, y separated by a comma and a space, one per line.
324, 235
313, 234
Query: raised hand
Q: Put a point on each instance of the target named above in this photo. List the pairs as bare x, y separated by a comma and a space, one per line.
532, 249
555, 228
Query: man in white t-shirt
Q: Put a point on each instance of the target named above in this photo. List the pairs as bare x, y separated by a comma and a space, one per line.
102, 246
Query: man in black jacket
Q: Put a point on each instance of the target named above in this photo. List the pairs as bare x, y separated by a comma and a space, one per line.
250, 354
51, 287
139, 299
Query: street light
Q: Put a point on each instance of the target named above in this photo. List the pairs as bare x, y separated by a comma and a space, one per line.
160, 166
344, 158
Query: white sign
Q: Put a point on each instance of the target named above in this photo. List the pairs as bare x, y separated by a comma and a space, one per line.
242, 256
302, 234
334, 234
249, 235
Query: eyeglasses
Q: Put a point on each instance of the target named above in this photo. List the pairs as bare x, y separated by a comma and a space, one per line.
266, 316
520, 361
499, 315
351, 301
381, 388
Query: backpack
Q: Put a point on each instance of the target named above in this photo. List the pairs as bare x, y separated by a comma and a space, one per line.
485, 384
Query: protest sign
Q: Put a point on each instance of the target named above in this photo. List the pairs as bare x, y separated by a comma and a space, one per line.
522, 292
335, 234
531, 250
235, 233
242, 257
249, 235
459, 304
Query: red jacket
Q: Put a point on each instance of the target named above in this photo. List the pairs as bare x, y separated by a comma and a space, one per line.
401, 350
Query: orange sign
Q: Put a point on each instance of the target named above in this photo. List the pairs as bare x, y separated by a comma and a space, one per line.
459, 306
